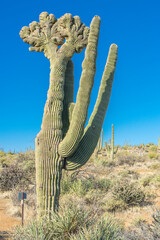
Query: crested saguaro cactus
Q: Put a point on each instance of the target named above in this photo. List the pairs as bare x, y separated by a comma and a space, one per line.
63, 142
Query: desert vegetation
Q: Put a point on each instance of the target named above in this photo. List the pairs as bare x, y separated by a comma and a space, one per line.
105, 199
77, 188
62, 140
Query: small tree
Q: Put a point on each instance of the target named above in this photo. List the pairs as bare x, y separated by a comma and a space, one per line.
63, 142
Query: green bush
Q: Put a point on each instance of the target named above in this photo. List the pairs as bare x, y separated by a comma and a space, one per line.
153, 155
146, 181
10, 177
155, 166
113, 205
149, 144
127, 147
129, 174
123, 158
141, 145
153, 148
82, 186
130, 193
103, 184
156, 179
2, 153
107, 163
14, 174
105, 229
71, 223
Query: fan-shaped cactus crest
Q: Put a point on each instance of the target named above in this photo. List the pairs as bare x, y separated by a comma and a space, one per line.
63, 141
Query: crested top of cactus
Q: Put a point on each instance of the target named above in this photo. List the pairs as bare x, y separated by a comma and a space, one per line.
50, 33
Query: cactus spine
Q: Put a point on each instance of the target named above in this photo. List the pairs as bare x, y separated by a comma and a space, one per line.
111, 150
63, 141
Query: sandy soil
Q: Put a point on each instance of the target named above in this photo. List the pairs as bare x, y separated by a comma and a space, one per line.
7, 223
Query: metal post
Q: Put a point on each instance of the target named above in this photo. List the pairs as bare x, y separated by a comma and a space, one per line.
22, 202
22, 196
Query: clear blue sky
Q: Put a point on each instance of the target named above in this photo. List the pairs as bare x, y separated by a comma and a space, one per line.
134, 107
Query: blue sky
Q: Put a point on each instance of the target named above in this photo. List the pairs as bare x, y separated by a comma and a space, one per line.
24, 77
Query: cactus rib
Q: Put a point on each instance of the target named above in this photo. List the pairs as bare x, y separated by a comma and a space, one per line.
76, 129
92, 131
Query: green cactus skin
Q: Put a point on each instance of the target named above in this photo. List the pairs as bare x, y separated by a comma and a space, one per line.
111, 150
101, 140
69, 144
62, 141
92, 132
99, 145
68, 104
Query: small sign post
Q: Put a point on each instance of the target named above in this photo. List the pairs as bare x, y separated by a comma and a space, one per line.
22, 196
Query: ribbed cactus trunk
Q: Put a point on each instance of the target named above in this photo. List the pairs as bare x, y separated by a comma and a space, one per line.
101, 139
48, 161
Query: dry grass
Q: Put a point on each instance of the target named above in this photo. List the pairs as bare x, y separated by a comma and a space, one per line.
91, 187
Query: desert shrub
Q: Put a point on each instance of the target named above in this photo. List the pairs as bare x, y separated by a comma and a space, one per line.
130, 193
35, 230
124, 174
10, 152
155, 166
24, 157
108, 163
105, 229
10, 177
153, 148
127, 147
82, 186
141, 145
129, 174
16, 168
13, 175
79, 187
61, 226
124, 158
71, 227
27, 162
146, 181
138, 221
93, 198
7, 159
66, 184
157, 179
149, 144
103, 184
153, 155
113, 205
2, 153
